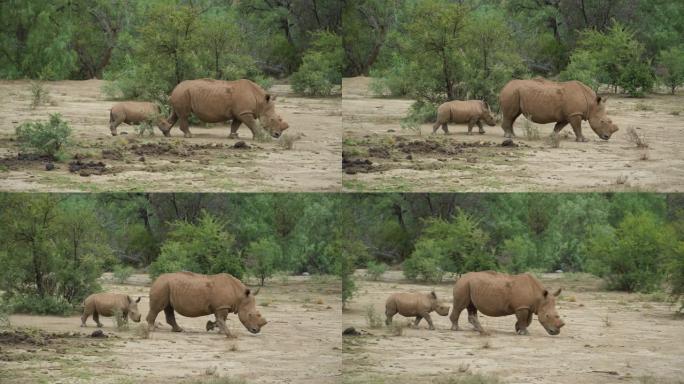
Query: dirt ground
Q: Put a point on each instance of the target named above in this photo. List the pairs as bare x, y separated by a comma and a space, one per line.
609, 337
377, 158
300, 344
208, 162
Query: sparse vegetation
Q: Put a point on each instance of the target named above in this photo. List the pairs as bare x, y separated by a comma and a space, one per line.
373, 318
144, 128
45, 138
39, 94
644, 156
287, 141
119, 321
641, 106
637, 139
375, 270
142, 331
531, 130
622, 179
121, 273
470, 379
397, 328
554, 140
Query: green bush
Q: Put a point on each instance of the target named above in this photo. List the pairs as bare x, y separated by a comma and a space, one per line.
425, 263
637, 79
375, 270
202, 247
48, 305
122, 273
5, 311
262, 257
583, 67
39, 94
420, 112
46, 138
671, 64
321, 69
676, 276
635, 256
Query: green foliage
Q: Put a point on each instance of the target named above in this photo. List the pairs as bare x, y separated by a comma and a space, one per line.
205, 247
633, 256
375, 270
419, 113
321, 69
425, 263
583, 67
262, 258
671, 71
48, 305
637, 79
39, 94
54, 250
5, 311
122, 273
675, 271
46, 138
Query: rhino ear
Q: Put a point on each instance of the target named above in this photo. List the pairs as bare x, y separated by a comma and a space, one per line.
557, 292
139, 297
268, 97
546, 293
247, 292
433, 294
129, 299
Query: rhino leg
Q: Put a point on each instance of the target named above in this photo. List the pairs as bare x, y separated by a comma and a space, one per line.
481, 129
171, 319
559, 126
234, 125
472, 318
471, 123
84, 318
221, 322
524, 318
249, 121
445, 128
417, 321
435, 127
185, 126
576, 122
427, 317
96, 317
507, 125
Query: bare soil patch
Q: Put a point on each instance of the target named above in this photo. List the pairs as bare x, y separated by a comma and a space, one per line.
207, 162
535, 165
300, 343
609, 337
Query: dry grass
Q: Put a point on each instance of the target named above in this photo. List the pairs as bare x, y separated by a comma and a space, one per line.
39, 94
621, 180
606, 321
643, 107
373, 318
637, 139
644, 156
554, 140
397, 328
287, 141
531, 130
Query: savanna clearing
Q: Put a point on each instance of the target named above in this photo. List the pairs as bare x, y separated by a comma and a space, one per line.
381, 156
207, 162
609, 337
300, 343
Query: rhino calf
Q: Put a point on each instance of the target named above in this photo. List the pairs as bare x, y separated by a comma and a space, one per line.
497, 294
109, 304
414, 304
472, 112
136, 112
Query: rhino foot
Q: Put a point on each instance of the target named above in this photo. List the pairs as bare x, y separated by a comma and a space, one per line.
187, 135
177, 329
454, 327
523, 332
581, 139
481, 132
83, 325
99, 325
233, 136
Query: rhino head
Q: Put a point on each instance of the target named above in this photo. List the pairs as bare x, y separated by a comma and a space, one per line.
547, 314
132, 309
599, 121
249, 315
437, 306
273, 123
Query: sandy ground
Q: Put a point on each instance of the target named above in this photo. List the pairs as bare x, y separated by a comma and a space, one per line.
615, 165
300, 344
609, 337
207, 162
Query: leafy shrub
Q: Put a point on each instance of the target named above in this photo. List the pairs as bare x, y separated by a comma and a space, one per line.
5, 310
633, 258
425, 263
122, 273
519, 254
583, 67
671, 71
48, 305
637, 79
375, 270
675, 275
262, 257
46, 138
321, 69
202, 247
420, 112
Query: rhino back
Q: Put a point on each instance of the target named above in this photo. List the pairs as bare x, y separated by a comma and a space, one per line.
194, 295
106, 304
215, 101
547, 101
498, 294
134, 111
411, 303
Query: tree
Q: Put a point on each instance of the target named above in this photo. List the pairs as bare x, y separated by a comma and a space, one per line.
321, 69
671, 67
262, 258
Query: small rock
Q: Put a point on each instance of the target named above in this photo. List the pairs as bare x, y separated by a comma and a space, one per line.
241, 144
49, 166
409, 157
508, 143
142, 158
305, 273
351, 331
